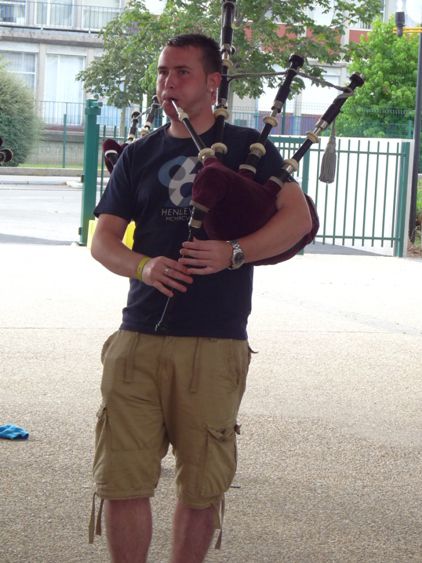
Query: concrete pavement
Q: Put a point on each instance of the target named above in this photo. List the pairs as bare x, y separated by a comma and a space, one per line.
331, 443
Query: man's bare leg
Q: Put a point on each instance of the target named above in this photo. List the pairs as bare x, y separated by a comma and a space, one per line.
129, 529
192, 533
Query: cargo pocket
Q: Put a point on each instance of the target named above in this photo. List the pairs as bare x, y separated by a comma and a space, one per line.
220, 461
102, 447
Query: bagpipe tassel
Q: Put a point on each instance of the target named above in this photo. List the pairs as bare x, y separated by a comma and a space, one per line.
328, 164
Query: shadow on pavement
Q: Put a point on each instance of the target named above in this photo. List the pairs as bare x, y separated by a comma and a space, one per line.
14, 239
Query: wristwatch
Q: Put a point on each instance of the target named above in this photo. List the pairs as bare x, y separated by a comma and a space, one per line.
238, 256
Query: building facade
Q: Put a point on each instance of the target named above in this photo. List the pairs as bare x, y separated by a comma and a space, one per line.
47, 43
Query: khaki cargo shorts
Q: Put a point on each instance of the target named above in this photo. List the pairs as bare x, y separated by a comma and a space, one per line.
161, 390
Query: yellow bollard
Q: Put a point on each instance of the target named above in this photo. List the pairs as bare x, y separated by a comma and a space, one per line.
127, 237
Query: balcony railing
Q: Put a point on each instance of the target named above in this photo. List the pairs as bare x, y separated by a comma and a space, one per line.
55, 15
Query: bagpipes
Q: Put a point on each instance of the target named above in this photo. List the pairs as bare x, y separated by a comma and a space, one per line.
236, 205
6, 155
112, 149
229, 204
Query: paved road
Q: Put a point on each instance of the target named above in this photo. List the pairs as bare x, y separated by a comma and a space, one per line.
44, 214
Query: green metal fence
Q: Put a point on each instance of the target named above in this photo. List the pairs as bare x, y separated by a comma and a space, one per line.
61, 144
365, 206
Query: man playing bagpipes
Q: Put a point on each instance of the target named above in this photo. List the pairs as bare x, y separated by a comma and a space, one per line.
182, 386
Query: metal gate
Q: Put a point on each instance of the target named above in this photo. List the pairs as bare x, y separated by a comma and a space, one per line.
365, 206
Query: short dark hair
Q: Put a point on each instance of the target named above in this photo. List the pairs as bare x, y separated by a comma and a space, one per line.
211, 54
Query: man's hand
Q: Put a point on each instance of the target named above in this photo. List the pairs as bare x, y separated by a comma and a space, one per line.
166, 275
203, 257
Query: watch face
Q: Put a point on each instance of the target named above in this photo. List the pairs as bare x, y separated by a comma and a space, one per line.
238, 258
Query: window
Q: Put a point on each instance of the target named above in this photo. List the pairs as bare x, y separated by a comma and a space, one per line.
21, 65
62, 92
55, 14
94, 17
12, 11
98, 13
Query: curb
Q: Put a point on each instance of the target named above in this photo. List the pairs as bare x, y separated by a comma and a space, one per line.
42, 181
45, 172
37, 181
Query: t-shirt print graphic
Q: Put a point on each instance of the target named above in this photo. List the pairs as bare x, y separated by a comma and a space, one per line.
178, 175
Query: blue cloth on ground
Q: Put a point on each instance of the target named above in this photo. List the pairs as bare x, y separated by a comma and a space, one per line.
12, 432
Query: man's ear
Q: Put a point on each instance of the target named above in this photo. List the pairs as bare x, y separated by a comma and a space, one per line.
213, 81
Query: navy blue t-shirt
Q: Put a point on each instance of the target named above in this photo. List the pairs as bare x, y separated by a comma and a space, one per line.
151, 184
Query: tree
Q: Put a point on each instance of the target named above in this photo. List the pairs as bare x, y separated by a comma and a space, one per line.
384, 106
19, 125
132, 41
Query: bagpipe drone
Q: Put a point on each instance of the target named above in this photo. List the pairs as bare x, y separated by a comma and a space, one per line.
112, 149
6, 155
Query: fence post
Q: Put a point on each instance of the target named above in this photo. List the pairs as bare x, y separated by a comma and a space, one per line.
90, 170
401, 233
64, 140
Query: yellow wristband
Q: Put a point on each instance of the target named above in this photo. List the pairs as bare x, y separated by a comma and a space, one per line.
140, 267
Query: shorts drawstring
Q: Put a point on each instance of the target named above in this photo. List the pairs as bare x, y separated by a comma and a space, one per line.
92, 520
219, 518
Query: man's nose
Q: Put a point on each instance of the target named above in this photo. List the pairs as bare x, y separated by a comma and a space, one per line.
170, 80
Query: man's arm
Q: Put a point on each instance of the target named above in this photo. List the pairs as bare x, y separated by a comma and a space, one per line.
290, 223
160, 272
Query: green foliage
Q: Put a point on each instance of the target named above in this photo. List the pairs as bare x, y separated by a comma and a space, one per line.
19, 125
133, 40
384, 106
